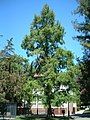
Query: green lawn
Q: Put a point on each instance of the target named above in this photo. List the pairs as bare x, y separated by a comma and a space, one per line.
34, 118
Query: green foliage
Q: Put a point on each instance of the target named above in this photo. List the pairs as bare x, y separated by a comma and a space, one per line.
12, 74
84, 81
83, 8
83, 27
53, 65
30, 90
8, 50
45, 34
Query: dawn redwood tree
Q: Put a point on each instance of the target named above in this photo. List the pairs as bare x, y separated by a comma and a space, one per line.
83, 27
53, 66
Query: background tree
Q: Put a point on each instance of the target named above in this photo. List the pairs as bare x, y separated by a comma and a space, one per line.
53, 65
83, 27
12, 74
3, 54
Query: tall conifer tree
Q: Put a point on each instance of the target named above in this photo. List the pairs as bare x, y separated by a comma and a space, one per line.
53, 65
83, 27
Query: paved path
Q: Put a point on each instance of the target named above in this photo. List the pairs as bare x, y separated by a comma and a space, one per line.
81, 116
80, 112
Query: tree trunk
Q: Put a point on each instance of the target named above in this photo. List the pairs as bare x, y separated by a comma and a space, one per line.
49, 111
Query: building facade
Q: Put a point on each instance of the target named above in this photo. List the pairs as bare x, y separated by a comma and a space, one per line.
65, 109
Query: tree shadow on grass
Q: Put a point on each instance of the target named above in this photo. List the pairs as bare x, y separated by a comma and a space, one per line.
43, 118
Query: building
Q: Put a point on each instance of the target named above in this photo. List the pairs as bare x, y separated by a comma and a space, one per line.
67, 108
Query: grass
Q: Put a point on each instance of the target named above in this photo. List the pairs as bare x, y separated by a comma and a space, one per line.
37, 118
86, 112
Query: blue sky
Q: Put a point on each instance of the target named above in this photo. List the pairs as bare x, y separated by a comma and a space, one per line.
17, 15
